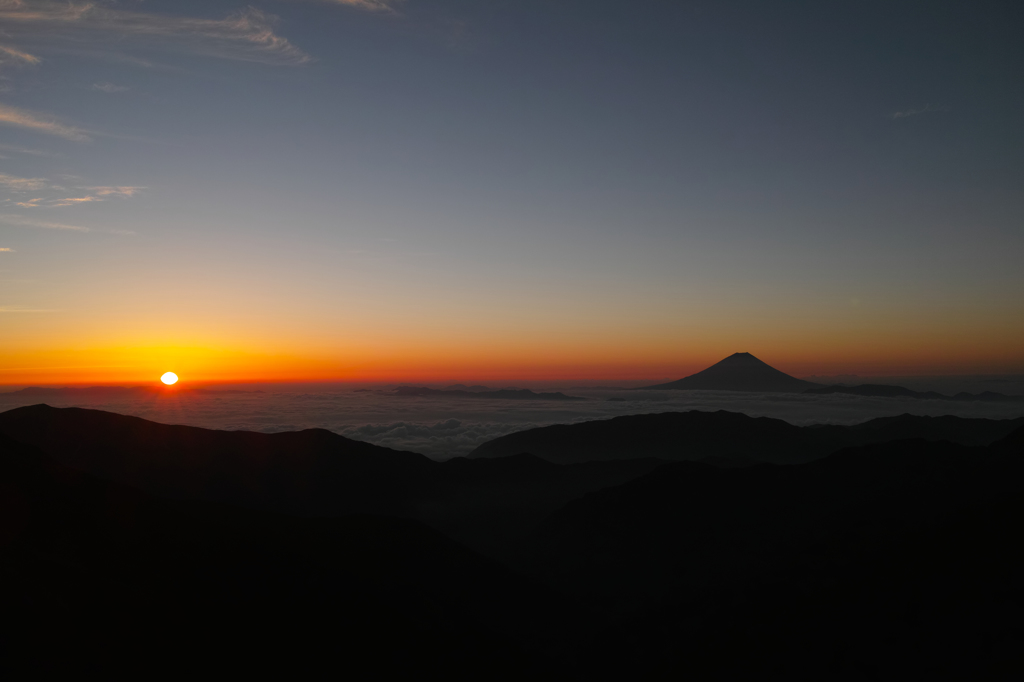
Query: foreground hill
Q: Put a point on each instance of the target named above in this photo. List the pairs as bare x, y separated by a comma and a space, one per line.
896, 561
490, 505
739, 372
102, 576
729, 436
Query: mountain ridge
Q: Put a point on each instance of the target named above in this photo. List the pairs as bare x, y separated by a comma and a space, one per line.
891, 391
722, 435
738, 372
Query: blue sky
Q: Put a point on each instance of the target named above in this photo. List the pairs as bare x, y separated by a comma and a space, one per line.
544, 187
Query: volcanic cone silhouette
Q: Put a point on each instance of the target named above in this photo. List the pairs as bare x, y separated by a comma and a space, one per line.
739, 372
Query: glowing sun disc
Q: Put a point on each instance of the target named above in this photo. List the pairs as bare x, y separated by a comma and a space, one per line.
169, 378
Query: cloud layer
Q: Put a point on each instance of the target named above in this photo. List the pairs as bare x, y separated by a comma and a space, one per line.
369, 5
21, 221
442, 429
928, 109
12, 54
40, 123
52, 195
246, 35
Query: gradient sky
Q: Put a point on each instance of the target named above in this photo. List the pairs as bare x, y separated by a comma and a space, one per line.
445, 189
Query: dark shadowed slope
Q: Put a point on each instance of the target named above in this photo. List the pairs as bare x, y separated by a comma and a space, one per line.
900, 559
960, 430
106, 578
490, 505
725, 435
727, 523
670, 435
308, 472
739, 372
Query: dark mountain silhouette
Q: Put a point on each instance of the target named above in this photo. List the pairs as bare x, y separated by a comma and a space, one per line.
251, 553
312, 472
739, 372
463, 387
490, 505
669, 435
897, 558
104, 577
698, 435
501, 394
1012, 443
885, 391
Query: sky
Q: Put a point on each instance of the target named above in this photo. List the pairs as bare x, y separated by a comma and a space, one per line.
508, 189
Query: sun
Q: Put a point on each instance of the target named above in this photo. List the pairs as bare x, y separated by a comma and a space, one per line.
169, 378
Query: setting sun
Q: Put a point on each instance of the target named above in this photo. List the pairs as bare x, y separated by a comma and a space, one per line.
169, 378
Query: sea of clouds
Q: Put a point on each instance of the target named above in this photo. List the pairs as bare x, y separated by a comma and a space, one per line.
442, 427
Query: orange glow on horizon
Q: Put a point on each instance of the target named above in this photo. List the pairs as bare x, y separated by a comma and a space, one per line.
499, 362
230, 352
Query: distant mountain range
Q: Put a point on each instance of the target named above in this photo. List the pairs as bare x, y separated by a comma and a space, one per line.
739, 372
474, 392
885, 391
729, 437
744, 372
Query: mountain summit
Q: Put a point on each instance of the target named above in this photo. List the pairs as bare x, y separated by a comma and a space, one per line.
739, 372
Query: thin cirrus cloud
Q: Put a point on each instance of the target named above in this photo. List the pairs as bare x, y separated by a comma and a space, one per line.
58, 194
94, 194
117, 191
928, 109
22, 118
12, 54
22, 150
246, 35
19, 221
22, 184
369, 5
109, 88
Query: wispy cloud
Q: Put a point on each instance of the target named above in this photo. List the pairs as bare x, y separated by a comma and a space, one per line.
13, 54
40, 123
95, 194
117, 191
71, 201
22, 150
19, 221
4, 249
109, 88
370, 5
22, 184
246, 35
914, 112
58, 194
